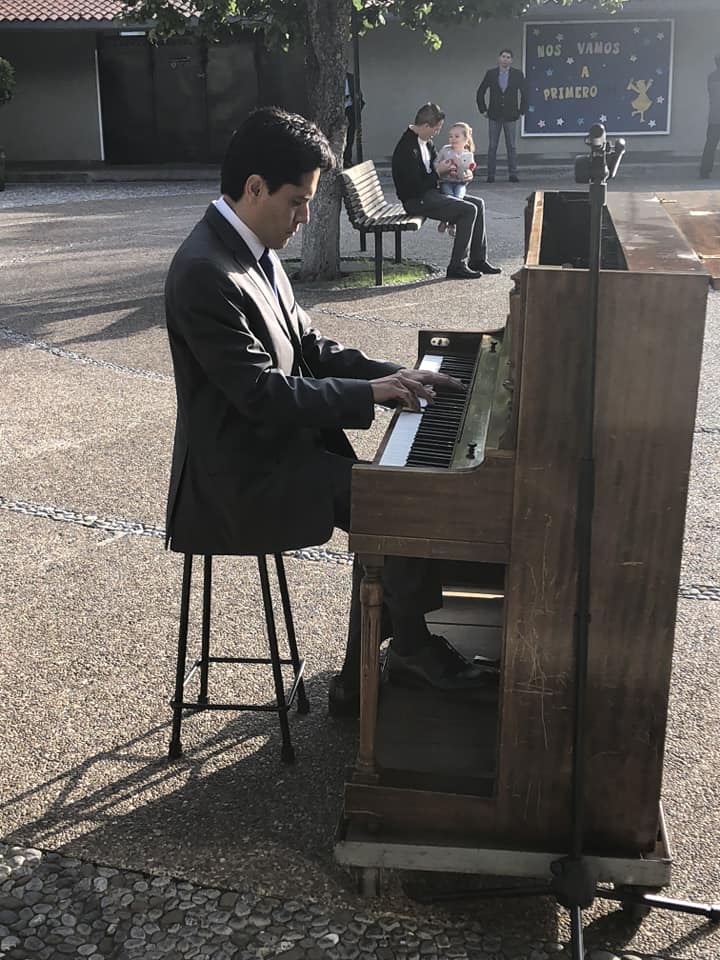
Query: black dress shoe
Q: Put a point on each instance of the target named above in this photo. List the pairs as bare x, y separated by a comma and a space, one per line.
513, 179
429, 668
343, 701
482, 266
462, 273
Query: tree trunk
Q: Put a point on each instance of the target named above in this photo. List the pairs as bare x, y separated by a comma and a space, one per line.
328, 33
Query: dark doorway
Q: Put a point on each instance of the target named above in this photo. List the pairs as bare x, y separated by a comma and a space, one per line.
176, 102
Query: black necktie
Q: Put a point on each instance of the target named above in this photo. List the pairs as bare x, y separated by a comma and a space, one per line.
266, 265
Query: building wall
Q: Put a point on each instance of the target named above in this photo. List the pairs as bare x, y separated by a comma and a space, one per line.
53, 116
399, 73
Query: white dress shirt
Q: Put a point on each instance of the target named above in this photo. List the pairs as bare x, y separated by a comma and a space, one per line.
256, 247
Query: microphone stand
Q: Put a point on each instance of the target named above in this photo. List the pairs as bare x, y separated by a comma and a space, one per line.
574, 882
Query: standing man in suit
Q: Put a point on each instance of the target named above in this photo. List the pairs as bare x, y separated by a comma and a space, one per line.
508, 101
713, 129
260, 462
350, 117
415, 174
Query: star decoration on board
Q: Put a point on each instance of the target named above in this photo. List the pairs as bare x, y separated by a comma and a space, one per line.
603, 118
659, 71
661, 36
541, 123
560, 122
593, 35
652, 123
660, 100
531, 109
536, 32
560, 36
570, 60
581, 121
633, 59
549, 72
636, 30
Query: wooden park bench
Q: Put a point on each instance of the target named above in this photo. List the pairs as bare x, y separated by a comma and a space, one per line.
369, 212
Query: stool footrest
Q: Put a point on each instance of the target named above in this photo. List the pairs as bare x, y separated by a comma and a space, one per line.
283, 702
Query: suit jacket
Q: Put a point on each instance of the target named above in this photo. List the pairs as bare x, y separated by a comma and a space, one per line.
507, 105
410, 177
262, 400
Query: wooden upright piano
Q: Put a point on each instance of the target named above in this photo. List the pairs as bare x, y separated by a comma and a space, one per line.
495, 505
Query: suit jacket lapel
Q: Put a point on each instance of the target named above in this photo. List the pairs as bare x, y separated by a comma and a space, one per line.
245, 259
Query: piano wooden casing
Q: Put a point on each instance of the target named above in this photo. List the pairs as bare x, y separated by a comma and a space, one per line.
517, 509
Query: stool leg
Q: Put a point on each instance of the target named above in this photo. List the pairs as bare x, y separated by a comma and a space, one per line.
303, 705
205, 649
175, 742
287, 754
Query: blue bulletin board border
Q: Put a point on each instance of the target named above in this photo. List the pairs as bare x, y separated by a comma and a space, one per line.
630, 23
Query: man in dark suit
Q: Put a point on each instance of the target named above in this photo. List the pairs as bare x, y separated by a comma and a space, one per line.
415, 174
350, 116
712, 137
508, 101
260, 462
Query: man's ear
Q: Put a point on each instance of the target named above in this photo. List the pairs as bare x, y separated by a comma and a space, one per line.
254, 186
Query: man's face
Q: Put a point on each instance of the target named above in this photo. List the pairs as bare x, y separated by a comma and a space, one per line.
277, 216
428, 130
504, 60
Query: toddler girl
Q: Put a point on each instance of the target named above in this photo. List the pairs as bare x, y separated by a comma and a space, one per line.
461, 152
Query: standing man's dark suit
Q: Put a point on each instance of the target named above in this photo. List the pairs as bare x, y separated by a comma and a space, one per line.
712, 137
504, 108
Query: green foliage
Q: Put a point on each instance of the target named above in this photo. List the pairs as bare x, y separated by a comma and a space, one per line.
282, 19
7, 80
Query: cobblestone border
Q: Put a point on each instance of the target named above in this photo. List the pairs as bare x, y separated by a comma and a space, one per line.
54, 906
24, 341
690, 591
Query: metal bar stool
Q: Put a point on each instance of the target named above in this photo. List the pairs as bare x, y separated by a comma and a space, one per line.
282, 702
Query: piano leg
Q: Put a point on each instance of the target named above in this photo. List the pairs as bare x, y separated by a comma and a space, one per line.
371, 598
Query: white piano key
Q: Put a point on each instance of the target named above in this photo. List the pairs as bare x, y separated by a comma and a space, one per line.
406, 426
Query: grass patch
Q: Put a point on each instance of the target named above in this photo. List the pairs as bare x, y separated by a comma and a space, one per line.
359, 272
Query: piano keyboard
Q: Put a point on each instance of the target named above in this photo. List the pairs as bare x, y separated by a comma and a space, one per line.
428, 438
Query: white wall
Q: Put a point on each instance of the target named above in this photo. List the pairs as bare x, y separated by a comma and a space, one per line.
398, 74
53, 116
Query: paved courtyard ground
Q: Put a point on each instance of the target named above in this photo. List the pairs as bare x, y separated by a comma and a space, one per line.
107, 850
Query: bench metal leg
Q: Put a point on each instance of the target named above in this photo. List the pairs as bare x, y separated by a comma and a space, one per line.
363, 241
398, 246
378, 258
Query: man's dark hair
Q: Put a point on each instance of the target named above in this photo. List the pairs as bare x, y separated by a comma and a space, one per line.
506, 50
429, 113
278, 146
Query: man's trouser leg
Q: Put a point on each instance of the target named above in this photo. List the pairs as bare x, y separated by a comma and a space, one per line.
437, 206
510, 127
494, 128
478, 242
711, 143
411, 589
350, 137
